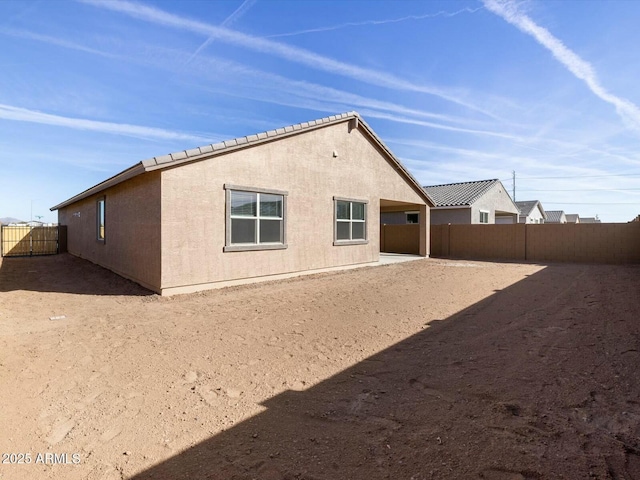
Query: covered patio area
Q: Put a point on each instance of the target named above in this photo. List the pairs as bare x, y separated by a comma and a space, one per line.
404, 228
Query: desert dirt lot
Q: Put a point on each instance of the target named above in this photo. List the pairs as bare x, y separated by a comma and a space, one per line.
425, 369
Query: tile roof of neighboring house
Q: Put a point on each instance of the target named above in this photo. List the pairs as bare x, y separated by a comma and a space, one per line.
554, 216
572, 217
212, 150
589, 220
459, 194
527, 206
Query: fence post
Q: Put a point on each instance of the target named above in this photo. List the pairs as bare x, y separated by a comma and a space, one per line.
448, 230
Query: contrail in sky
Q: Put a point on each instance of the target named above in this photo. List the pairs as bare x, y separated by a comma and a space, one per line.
230, 20
508, 9
377, 22
9, 112
287, 52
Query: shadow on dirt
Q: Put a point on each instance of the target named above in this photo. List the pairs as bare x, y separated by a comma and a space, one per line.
537, 381
63, 273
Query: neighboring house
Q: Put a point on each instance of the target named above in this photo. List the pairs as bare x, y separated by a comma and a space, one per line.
531, 211
590, 220
8, 220
399, 218
484, 201
572, 218
300, 198
32, 223
556, 216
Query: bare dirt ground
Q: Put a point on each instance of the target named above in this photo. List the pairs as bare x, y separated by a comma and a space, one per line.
427, 369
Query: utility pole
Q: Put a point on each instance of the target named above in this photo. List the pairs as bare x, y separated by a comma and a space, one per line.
514, 185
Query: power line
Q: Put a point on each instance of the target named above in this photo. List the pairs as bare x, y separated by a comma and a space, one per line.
592, 203
582, 176
585, 190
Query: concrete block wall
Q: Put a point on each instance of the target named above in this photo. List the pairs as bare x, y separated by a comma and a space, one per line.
487, 241
576, 243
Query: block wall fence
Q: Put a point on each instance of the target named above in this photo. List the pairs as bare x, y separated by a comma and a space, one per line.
614, 243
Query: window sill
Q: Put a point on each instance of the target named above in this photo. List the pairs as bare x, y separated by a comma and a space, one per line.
338, 243
252, 247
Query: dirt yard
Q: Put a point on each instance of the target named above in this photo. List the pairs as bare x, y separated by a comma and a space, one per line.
426, 369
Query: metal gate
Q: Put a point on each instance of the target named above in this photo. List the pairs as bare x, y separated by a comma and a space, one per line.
26, 241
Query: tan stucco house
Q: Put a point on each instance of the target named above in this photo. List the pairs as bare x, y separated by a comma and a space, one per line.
474, 202
300, 198
531, 211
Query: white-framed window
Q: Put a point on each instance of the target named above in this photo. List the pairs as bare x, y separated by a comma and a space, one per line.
100, 218
350, 221
484, 216
412, 217
255, 219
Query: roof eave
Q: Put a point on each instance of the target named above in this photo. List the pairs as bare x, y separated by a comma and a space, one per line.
213, 150
451, 207
130, 172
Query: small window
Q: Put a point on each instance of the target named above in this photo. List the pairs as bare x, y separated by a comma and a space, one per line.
255, 219
100, 217
484, 216
350, 221
413, 217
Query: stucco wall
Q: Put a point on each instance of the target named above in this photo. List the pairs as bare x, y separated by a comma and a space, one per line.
193, 205
132, 229
442, 216
393, 218
496, 199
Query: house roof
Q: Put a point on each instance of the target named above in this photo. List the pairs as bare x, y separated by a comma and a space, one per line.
527, 206
555, 216
589, 220
572, 217
214, 149
459, 194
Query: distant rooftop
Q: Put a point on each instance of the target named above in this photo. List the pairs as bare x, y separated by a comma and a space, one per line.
459, 194
555, 216
527, 206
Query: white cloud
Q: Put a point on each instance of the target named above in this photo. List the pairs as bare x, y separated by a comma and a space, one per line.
439, 126
289, 53
8, 112
509, 10
281, 90
53, 41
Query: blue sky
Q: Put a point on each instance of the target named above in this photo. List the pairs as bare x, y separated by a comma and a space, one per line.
459, 90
